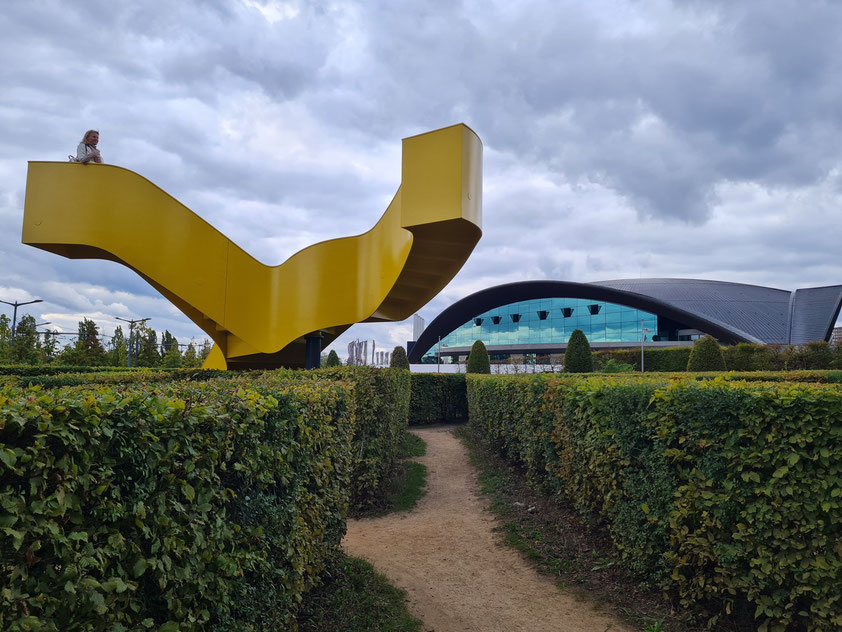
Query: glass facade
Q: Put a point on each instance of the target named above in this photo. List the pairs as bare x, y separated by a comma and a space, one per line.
552, 320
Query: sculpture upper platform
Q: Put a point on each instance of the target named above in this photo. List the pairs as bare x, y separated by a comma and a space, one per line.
259, 315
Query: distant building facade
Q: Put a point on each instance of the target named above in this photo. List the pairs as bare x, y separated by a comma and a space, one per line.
537, 317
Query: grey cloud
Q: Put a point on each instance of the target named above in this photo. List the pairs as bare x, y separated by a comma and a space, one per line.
617, 135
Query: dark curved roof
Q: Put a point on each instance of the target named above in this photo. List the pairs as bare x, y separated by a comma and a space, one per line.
732, 312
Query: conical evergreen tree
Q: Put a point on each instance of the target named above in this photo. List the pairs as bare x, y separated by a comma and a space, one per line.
478, 361
578, 358
332, 359
399, 359
706, 355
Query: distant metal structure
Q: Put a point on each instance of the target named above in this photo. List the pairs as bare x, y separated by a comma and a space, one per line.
133, 342
263, 316
17, 304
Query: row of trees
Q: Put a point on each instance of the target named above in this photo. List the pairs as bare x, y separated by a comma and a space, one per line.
88, 349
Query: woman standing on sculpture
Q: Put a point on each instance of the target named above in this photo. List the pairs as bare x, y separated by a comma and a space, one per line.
86, 151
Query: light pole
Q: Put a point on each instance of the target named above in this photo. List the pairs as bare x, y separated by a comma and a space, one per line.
643, 331
15, 312
131, 333
438, 357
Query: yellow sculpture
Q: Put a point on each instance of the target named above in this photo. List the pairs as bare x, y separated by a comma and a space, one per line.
270, 316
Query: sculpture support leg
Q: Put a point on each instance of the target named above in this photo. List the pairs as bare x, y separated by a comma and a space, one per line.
313, 354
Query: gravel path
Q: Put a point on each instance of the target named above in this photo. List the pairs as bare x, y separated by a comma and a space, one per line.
458, 574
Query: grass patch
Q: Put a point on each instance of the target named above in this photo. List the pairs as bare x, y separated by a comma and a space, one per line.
413, 446
405, 496
405, 486
355, 598
578, 556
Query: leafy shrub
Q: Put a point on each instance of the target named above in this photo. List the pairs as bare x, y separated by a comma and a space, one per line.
478, 361
437, 397
381, 413
213, 506
332, 360
145, 376
817, 355
747, 356
655, 358
706, 355
577, 358
28, 369
183, 504
723, 492
399, 359
612, 366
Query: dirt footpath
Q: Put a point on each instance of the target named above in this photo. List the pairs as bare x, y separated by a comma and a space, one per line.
458, 574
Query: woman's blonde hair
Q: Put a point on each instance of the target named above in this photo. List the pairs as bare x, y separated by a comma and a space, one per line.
88, 133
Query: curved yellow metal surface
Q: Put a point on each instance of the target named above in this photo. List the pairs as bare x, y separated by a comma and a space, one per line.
259, 315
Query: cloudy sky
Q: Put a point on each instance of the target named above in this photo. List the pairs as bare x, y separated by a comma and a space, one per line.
621, 139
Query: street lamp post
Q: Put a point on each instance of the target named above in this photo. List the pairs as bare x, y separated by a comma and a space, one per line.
438, 357
16, 304
643, 331
131, 333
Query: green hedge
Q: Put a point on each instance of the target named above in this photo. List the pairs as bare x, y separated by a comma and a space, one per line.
184, 505
728, 494
216, 508
741, 357
438, 398
56, 380
805, 376
654, 360
42, 369
381, 404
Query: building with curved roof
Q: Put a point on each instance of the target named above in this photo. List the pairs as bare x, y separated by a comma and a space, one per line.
537, 317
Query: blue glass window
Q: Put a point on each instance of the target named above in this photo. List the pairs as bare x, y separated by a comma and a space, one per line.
552, 321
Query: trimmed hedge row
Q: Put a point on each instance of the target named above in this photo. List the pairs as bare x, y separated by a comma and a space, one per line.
655, 359
182, 505
741, 357
729, 495
438, 398
56, 380
381, 405
819, 377
42, 369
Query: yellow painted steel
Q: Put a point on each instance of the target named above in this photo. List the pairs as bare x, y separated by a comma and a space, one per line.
259, 315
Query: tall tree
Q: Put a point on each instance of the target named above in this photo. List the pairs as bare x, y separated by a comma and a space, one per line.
205, 350
5, 339
147, 346
91, 351
25, 348
118, 348
171, 353
49, 349
167, 341
190, 359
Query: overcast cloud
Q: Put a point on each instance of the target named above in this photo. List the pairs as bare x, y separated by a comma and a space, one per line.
622, 139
